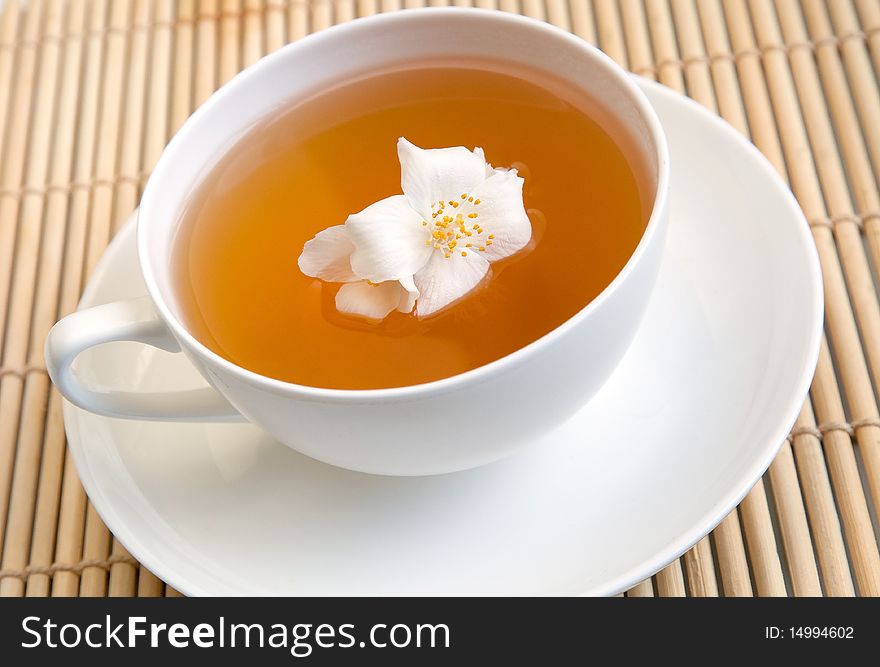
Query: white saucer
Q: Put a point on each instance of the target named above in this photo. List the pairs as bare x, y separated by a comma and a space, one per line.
684, 428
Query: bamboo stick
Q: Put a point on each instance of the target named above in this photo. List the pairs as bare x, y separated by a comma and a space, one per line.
819, 499
44, 514
851, 252
693, 52
842, 465
751, 79
275, 25
230, 40
672, 68
610, 31
21, 477
793, 525
8, 30
483, 4
438, 3
160, 99
123, 576
761, 540
322, 15
110, 124
732, 562
861, 94
297, 21
700, 568
583, 20
97, 543
71, 519
72, 511
670, 581
511, 6
344, 10
723, 71
831, 173
252, 45
644, 589
183, 85
764, 133
129, 166
841, 98
206, 39
862, 82
367, 7
12, 169
869, 17
97, 540
558, 13
11, 180
767, 568
533, 9
805, 184
638, 44
666, 58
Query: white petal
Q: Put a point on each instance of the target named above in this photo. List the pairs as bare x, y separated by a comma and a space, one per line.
373, 302
501, 213
327, 256
446, 279
429, 176
389, 240
409, 294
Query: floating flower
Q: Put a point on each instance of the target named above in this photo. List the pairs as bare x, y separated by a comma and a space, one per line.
431, 245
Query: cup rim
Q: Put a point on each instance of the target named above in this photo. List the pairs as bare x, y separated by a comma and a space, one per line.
472, 376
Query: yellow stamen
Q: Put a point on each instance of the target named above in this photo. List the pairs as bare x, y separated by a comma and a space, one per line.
463, 253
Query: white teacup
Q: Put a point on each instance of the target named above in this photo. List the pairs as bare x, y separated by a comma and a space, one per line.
442, 426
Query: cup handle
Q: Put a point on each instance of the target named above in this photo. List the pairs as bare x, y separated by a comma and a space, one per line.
133, 320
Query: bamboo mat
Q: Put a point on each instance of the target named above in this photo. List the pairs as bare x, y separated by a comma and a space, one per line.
91, 90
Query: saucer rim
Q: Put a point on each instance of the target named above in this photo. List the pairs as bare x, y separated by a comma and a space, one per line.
675, 546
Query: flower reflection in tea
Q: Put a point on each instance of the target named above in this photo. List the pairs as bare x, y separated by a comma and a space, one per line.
430, 246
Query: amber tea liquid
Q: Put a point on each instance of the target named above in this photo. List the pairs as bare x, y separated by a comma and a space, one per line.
308, 167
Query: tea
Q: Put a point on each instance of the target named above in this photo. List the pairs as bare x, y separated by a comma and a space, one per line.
308, 167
